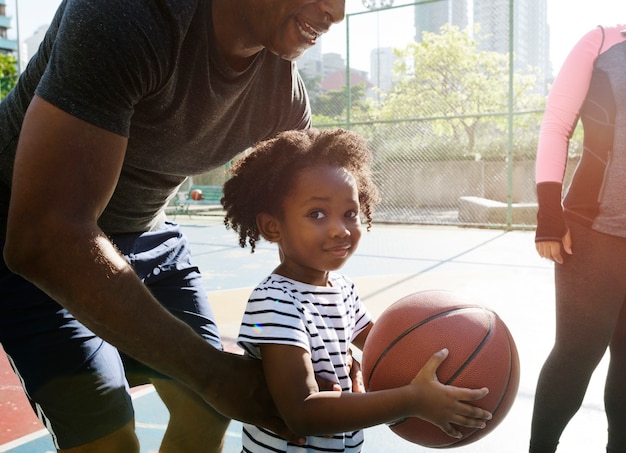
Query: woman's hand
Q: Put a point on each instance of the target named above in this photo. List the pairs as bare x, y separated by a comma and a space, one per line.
551, 250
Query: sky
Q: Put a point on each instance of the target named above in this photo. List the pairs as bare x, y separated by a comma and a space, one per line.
568, 21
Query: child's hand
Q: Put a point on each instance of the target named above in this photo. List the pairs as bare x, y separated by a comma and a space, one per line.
446, 405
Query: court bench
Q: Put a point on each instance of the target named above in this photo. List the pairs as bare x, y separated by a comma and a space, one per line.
199, 194
479, 210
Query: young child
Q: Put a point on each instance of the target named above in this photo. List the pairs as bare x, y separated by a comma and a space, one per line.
306, 191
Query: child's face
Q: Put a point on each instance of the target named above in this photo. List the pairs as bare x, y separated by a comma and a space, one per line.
320, 226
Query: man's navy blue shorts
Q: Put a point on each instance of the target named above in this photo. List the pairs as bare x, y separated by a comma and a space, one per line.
76, 382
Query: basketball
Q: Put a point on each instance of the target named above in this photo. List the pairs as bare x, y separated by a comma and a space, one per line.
482, 353
196, 194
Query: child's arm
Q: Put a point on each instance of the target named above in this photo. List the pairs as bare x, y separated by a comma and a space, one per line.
359, 341
307, 411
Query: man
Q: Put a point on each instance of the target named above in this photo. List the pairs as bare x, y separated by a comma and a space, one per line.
124, 99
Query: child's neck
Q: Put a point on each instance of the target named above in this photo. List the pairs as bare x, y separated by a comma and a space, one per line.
316, 278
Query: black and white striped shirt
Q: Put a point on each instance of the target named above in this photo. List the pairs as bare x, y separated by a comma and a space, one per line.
321, 320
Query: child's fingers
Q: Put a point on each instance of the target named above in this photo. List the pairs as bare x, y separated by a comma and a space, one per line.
433, 363
451, 431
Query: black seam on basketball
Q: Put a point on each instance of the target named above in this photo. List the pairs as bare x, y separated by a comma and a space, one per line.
476, 351
462, 368
411, 329
504, 393
511, 363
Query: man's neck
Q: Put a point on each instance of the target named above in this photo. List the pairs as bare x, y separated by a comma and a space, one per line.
232, 31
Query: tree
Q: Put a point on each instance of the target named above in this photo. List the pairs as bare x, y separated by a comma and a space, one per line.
333, 104
463, 90
313, 85
8, 74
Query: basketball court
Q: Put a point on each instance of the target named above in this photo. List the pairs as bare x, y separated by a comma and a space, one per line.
495, 268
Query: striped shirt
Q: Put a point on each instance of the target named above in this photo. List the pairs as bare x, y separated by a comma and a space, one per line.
321, 320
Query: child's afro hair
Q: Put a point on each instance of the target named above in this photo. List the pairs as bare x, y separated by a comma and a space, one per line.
260, 181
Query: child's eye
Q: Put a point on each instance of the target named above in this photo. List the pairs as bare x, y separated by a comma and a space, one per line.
352, 214
317, 215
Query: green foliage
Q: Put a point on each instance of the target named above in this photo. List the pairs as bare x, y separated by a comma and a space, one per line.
459, 95
8, 74
323, 120
313, 85
333, 103
450, 101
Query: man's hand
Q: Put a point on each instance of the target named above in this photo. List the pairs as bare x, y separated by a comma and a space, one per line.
243, 395
356, 375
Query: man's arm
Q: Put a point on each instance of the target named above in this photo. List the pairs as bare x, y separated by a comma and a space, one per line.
65, 172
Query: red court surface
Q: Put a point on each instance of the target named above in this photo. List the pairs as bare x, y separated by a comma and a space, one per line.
16, 416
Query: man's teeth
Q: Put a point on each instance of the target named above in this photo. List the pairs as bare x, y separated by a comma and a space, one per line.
307, 34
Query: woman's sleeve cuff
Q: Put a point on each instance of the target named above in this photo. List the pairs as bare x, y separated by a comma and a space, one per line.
551, 224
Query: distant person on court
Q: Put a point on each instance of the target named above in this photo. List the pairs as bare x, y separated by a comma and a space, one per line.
122, 102
585, 235
306, 191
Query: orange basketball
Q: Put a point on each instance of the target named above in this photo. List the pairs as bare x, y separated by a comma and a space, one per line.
482, 353
196, 194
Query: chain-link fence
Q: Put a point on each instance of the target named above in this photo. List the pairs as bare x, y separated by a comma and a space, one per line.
449, 94
450, 98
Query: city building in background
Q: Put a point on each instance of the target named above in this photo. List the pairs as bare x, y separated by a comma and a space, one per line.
327, 71
33, 41
382, 60
7, 46
429, 17
531, 33
531, 40
310, 64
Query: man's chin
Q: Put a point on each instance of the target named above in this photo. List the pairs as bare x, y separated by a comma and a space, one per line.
291, 55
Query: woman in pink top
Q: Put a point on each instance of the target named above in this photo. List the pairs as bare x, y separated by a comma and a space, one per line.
584, 233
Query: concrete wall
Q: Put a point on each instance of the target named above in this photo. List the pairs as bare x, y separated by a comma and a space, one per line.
442, 183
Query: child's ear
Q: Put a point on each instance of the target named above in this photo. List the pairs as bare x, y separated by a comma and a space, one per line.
268, 227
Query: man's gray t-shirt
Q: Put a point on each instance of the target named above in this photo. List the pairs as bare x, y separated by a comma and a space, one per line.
151, 70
